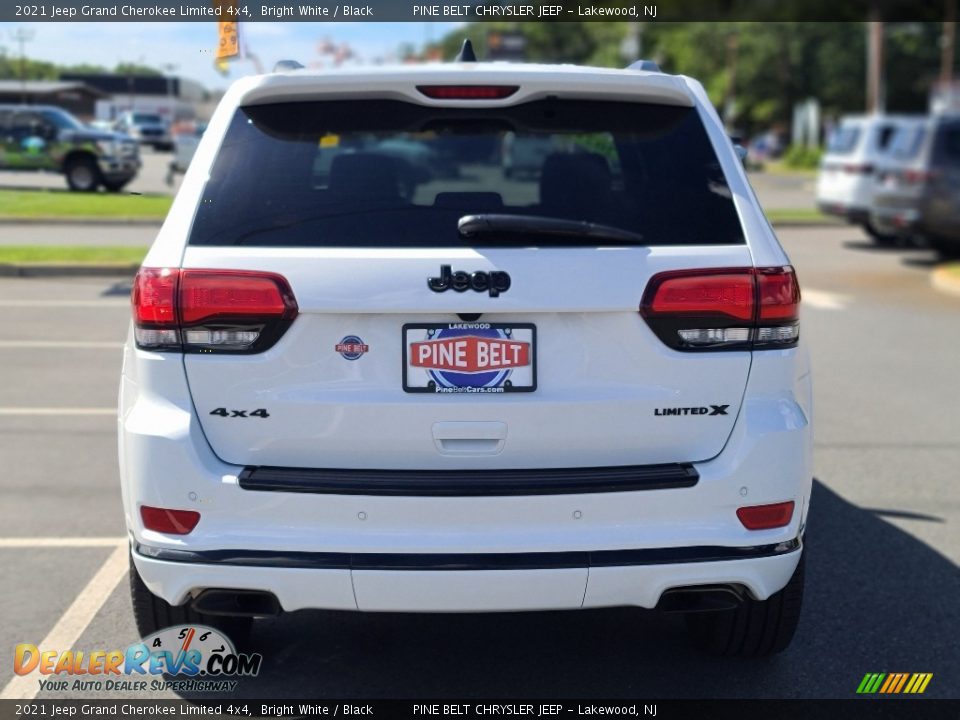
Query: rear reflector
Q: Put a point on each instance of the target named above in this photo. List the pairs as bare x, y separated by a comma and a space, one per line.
172, 522
766, 517
724, 308
237, 311
468, 92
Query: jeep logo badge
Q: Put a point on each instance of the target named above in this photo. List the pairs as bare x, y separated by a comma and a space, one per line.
495, 282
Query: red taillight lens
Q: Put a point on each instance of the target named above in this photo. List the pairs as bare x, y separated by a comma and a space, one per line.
766, 517
916, 177
172, 522
468, 92
724, 308
704, 294
154, 296
779, 294
213, 294
237, 311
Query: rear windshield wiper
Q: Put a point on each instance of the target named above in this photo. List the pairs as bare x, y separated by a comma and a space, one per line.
500, 224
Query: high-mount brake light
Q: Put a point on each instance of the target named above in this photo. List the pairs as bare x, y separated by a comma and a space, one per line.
238, 311
724, 308
468, 92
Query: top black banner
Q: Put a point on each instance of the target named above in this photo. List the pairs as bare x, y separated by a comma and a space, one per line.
468, 10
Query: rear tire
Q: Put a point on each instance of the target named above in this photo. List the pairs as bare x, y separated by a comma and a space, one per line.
82, 173
945, 248
757, 628
152, 614
878, 237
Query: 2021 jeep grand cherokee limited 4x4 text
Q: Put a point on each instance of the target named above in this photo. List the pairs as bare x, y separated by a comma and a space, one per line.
369, 370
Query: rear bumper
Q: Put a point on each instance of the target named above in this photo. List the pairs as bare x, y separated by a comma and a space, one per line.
118, 168
853, 215
474, 583
623, 546
895, 220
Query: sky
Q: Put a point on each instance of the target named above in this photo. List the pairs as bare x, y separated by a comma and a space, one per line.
189, 45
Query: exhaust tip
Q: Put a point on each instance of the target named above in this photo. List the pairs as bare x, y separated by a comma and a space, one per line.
236, 603
701, 598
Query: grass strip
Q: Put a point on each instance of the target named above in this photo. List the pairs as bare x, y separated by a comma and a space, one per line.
39, 204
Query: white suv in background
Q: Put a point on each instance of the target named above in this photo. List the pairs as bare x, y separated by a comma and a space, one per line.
407, 381
847, 179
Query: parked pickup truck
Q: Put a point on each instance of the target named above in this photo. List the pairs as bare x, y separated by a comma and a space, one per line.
46, 138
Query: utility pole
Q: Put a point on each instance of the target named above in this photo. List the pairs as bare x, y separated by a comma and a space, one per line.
171, 68
23, 36
730, 105
875, 99
947, 41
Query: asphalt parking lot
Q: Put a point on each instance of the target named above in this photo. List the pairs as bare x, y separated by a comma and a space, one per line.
883, 537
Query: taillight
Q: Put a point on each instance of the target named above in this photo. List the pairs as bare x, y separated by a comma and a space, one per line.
724, 308
238, 311
766, 517
172, 522
468, 92
917, 177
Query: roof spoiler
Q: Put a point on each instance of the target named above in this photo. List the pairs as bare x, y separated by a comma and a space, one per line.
284, 65
648, 65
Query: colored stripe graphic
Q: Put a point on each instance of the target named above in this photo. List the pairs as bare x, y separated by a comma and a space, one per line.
894, 683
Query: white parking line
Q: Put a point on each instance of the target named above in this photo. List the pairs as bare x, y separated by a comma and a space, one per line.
65, 303
58, 344
823, 300
58, 411
74, 621
59, 542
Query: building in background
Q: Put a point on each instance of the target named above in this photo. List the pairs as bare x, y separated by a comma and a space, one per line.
74, 96
172, 98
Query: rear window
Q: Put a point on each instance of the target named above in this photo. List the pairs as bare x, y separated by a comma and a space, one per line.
948, 145
389, 173
843, 140
883, 135
906, 142
147, 119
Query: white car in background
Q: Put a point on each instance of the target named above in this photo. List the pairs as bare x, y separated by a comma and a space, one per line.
585, 387
847, 178
186, 137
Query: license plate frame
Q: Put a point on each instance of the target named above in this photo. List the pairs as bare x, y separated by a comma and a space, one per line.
447, 381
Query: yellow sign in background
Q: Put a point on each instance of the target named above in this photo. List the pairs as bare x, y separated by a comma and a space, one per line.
228, 45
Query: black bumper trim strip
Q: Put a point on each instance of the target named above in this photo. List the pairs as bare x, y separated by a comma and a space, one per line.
469, 483
471, 561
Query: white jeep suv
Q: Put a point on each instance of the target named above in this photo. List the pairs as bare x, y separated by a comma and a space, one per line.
369, 370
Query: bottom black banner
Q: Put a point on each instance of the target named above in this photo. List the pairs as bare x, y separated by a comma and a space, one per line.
915, 709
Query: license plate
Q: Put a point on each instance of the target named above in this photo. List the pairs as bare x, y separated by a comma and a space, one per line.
451, 358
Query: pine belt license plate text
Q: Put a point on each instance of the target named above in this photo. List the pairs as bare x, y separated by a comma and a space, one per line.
469, 358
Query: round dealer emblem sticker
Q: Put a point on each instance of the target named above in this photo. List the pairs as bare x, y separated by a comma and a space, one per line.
352, 347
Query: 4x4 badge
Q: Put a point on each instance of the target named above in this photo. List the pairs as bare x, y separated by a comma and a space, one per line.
495, 282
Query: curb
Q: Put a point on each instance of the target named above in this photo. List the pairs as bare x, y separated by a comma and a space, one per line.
10, 270
945, 281
107, 222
